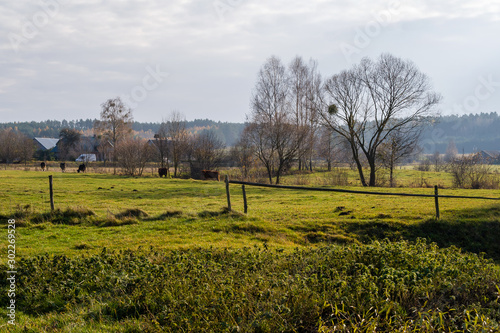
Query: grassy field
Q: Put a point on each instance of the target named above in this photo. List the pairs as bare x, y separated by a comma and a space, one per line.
97, 211
185, 213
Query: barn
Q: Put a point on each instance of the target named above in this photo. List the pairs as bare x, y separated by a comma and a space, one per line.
46, 148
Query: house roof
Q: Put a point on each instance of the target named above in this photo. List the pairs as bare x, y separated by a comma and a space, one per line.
47, 143
491, 153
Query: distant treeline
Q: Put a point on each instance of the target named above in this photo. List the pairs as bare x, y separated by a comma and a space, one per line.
470, 133
473, 132
227, 132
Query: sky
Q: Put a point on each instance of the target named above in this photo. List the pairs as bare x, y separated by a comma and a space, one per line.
61, 59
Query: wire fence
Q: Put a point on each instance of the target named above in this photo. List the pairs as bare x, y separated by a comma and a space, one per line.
436, 194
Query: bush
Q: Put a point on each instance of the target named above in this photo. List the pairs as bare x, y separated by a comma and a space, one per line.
337, 177
133, 154
424, 165
469, 172
378, 287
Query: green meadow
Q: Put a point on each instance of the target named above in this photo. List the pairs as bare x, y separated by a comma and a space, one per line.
115, 255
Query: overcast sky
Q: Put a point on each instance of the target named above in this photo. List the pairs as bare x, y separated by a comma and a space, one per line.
62, 59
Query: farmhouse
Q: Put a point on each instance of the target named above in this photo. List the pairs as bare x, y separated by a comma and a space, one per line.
93, 145
161, 144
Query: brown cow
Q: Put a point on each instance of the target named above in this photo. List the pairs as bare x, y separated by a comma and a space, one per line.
210, 175
162, 172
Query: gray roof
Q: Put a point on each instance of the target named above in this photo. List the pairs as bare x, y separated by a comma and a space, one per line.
47, 143
491, 153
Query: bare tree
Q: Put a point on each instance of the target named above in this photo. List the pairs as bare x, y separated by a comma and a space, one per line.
373, 100
206, 151
305, 88
264, 149
178, 136
437, 160
272, 129
162, 146
313, 108
26, 149
327, 146
15, 146
243, 153
132, 155
298, 73
400, 144
9, 146
115, 123
346, 115
451, 151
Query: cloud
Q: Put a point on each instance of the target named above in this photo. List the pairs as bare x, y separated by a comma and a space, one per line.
88, 51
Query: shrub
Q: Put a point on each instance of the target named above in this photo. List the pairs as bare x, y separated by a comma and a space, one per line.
377, 287
469, 172
131, 213
424, 165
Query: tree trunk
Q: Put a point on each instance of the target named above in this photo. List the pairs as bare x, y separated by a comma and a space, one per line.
360, 171
114, 159
373, 176
391, 178
280, 170
269, 174
355, 156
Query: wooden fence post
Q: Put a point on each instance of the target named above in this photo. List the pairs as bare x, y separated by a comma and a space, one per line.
245, 206
227, 194
436, 198
51, 194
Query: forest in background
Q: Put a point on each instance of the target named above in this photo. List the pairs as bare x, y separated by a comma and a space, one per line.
473, 132
229, 133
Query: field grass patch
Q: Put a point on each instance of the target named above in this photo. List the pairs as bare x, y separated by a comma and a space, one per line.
132, 213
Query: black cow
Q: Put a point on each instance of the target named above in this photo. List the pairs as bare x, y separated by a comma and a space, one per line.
81, 168
210, 175
162, 172
42, 165
62, 166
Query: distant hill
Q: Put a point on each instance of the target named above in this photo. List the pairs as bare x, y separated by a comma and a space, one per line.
473, 132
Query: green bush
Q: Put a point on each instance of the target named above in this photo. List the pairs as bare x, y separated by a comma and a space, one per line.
383, 286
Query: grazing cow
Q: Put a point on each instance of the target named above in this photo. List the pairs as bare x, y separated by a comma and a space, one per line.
162, 172
210, 175
81, 168
42, 165
63, 166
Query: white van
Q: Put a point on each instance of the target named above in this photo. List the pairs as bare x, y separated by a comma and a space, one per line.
86, 158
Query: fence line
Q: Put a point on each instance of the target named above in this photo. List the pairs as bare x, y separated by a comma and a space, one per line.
321, 189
